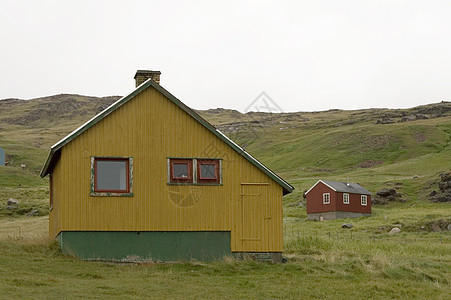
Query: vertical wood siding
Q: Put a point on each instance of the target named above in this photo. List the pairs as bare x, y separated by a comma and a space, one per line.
151, 128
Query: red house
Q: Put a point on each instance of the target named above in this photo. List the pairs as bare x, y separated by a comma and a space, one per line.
327, 200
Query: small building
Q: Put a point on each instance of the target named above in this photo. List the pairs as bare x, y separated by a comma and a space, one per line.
148, 178
328, 200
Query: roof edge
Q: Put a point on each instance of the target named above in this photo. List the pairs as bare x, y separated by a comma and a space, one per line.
288, 188
366, 192
322, 183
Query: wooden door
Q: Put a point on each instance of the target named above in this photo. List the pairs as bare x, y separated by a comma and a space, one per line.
253, 211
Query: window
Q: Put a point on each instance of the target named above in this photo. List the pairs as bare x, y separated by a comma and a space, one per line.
345, 198
111, 176
200, 171
363, 200
181, 171
208, 171
326, 198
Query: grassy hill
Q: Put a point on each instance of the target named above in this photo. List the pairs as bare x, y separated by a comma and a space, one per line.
402, 148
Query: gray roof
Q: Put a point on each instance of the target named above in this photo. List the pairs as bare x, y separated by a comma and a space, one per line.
54, 150
343, 187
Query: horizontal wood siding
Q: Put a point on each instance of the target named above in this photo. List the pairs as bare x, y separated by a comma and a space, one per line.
149, 128
315, 199
354, 204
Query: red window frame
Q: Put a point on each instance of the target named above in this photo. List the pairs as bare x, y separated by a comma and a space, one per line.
175, 161
214, 162
127, 174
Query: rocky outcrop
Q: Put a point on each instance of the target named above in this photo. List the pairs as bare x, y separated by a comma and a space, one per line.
387, 195
444, 189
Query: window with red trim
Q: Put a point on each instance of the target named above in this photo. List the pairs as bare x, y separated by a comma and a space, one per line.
208, 171
111, 175
181, 170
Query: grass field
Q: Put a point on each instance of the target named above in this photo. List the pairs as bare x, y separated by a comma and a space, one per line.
323, 259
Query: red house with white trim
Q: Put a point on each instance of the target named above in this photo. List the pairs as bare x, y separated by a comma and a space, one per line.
327, 200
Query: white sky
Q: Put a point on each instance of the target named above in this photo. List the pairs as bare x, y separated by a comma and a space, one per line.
306, 55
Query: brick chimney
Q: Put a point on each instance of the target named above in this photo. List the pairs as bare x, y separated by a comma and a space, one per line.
143, 75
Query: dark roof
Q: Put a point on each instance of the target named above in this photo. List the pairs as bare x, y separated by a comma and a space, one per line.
343, 187
55, 149
146, 72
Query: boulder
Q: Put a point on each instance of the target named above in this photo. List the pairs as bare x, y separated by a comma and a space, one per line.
444, 185
384, 192
436, 227
421, 117
445, 176
385, 121
387, 195
33, 213
12, 202
395, 230
441, 198
408, 118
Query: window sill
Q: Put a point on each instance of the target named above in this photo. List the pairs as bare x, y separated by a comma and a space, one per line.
105, 194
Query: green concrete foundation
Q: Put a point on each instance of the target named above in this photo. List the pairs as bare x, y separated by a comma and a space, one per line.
146, 245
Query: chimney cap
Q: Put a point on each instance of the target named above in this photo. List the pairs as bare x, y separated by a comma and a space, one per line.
146, 72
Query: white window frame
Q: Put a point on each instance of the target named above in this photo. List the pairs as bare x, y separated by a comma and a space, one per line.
364, 200
345, 198
326, 198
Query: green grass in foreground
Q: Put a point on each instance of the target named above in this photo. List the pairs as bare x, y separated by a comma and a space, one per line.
324, 261
40, 271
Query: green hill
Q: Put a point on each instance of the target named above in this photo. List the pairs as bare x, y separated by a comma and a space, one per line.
372, 147
369, 146
402, 148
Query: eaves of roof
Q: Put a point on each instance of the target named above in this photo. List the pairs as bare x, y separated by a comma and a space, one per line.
337, 186
54, 150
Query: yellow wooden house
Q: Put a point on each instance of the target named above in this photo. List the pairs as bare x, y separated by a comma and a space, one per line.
148, 178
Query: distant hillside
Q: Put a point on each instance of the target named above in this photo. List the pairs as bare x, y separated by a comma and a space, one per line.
339, 140
53, 110
370, 145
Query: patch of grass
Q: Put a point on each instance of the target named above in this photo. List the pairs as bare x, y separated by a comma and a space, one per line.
29, 198
41, 271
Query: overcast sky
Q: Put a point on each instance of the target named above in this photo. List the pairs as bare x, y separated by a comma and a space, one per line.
306, 55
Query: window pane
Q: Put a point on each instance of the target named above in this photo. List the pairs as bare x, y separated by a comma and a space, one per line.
207, 171
181, 170
111, 175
